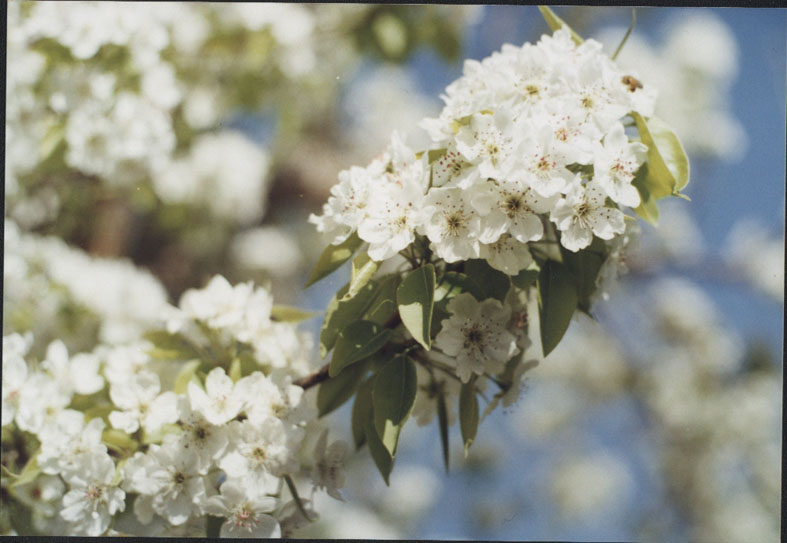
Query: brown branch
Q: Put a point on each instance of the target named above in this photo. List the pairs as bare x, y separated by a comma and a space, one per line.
321, 375
313, 378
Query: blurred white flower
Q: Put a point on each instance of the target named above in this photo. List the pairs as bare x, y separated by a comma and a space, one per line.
340, 520
758, 256
590, 484
224, 172
201, 106
413, 491
388, 99
693, 68
678, 236
268, 248
328, 471
124, 145
160, 86
549, 406
15, 347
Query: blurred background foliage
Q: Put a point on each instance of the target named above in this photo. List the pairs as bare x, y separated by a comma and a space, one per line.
150, 146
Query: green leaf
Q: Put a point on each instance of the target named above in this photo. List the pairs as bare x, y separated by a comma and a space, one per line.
468, 413
168, 346
457, 124
442, 417
213, 526
494, 283
668, 165
585, 265
355, 342
185, 375
362, 412
556, 23
29, 472
382, 458
557, 303
332, 393
453, 283
526, 277
284, 313
393, 396
341, 313
333, 257
363, 268
647, 209
99, 411
415, 298
21, 517
118, 440
383, 307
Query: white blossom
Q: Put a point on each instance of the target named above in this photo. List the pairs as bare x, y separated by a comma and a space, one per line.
92, 498
476, 335
205, 440
615, 165
583, 214
15, 347
76, 375
507, 255
328, 470
218, 403
248, 513
67, 440
169, 482
261, 449
142, 404
454, 226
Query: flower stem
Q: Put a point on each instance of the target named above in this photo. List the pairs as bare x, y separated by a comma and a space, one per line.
628, 33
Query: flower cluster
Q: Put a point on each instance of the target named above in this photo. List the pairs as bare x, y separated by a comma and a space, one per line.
517, 210
107, 90
527, 136
201, 418
59, 291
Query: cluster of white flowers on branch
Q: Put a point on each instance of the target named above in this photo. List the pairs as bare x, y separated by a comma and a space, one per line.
527, 133
520, 202
192, 420
199, 419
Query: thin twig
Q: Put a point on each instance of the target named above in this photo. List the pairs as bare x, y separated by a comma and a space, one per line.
294, 493
313, 378
628, 33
